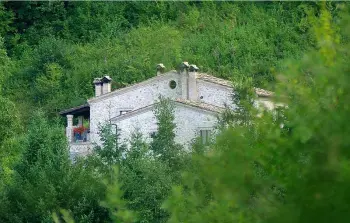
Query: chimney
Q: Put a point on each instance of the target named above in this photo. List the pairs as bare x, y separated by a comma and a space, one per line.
184, 76
106, 84
98, 86
160, 69
192, 83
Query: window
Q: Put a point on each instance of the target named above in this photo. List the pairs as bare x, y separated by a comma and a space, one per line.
123, 111
172, 84
205, 135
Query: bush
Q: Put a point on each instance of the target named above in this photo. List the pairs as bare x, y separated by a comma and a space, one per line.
291, 165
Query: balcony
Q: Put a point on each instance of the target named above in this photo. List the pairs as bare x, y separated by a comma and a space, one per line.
78, 121
81, 134
77, 130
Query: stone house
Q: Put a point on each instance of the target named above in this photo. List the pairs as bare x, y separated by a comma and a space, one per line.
198, 99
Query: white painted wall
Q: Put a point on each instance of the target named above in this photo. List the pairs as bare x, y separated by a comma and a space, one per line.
214, 94
82, 148
189, 121
106, 107
144, 122
219, 95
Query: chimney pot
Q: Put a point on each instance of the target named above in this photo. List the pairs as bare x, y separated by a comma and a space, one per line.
98, 86
184, 65
106, 84
160, 68
193, 68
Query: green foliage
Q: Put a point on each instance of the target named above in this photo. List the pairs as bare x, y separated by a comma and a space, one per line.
37, 19
9, 149
44, 180
65, 215
70, 43
9, 119
139, 149
44, 156
146, 171
146, 181
245, 38
9, 156
115, 203
243, 99
5, 64
110, 152
163, 143
49, 89
6, 18
288, 166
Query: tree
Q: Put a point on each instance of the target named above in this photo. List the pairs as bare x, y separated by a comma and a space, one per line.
42, 168
5, 64
241, 110
145, 180
294, 166
115, 203
9, 145
163, 144
135, 179
9, 120
44, 180
74, 42
110, 152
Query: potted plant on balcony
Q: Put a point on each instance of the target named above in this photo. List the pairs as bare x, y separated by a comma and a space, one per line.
86, 124
78, 132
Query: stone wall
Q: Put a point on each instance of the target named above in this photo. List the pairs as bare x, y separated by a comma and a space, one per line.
214, 94
139, 96
108, 106
189, 120
81, 148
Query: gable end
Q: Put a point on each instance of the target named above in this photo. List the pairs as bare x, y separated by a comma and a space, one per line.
132, 87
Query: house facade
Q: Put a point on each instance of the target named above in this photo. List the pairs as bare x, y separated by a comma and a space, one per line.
198, 98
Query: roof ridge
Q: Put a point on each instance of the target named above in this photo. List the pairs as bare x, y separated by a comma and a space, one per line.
210, 78
199, 104
131, 85
202, 105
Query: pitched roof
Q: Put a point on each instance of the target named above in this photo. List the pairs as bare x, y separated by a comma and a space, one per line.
78, 110
209, 78
131, 86
198, 105
212, 79
201, 76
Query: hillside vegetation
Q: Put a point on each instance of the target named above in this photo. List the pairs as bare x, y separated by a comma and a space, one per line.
57, 48
290, 165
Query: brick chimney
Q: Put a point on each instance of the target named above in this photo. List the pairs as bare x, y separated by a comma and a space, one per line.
192, 83
184, 79
98, 86
106, 84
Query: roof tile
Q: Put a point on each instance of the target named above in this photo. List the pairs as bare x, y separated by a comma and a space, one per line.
209, 78
201, 105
